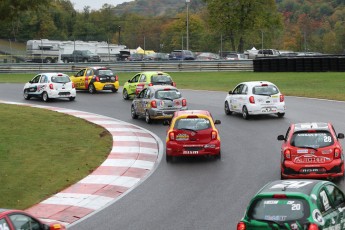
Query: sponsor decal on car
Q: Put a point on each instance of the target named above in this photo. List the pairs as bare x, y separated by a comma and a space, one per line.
182, 137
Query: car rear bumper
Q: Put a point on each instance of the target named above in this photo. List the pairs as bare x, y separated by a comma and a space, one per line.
164, 114
62, 94
291, 170
106, 86
266, 109
175, 149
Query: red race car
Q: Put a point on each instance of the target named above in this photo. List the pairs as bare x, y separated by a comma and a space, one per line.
311, 150
192, 133
16, 219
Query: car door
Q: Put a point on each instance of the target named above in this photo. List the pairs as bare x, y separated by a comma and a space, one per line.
138, 103
235, 98
141, 84
88, 75
331, 205
78, 79
132, 84
32, 86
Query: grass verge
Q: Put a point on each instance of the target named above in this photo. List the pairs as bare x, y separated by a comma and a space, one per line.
41, 152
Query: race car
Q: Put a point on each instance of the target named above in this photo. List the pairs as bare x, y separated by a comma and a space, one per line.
295, 205
48, 86
158, 102
255, 98
96, 79
311, 150
192, 133
11, 219
144, 79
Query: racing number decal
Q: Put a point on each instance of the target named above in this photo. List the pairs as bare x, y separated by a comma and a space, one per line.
325, 200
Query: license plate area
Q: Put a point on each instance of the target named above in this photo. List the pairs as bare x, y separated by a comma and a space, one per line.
312, 170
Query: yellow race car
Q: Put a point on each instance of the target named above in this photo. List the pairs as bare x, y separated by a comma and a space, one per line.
95, 79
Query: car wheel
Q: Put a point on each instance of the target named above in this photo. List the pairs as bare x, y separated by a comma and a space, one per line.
147, 117
65, 60
227, 108
72, 98
92, 89
45, 96
133, 113
114, 90
218, 156
280, 114
168, 158
48, 60
26, 95
125, 94
245, 114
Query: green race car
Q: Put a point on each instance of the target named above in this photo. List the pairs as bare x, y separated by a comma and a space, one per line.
144, 79
296, 204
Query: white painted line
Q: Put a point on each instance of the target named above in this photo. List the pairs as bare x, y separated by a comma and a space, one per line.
123, 181
135, 138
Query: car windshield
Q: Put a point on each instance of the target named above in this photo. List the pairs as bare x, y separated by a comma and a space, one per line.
193, 123
279, 210
317, 139
105, 72
168, 94
60, 79
161, 79
265, 90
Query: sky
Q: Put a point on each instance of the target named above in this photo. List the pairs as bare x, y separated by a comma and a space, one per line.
95, 4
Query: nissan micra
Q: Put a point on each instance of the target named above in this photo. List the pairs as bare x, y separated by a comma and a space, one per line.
255, 98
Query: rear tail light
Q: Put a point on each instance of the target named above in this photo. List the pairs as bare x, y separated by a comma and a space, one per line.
241, 226
173, 84
337, 153
151, 84
73, 86
153, 104
184, 102
313, 227
96, 78
279, 196
281, 98
214, 135
252, 100
51, 86
116, 78
287, 154
172, 136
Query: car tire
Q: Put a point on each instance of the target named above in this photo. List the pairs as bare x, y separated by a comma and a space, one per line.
245, 113
125, 94
218, 156
65, 60
26, 95
147, 117
92, 89
114, 90
133, 113
281, 114
227, 108
45, 97
72, 98
168, 158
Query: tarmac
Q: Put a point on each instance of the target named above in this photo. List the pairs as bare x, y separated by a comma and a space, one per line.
135, 154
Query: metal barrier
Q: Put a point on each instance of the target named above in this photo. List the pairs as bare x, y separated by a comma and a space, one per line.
132, 66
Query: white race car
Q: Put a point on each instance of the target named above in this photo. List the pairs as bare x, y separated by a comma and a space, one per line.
50, 85
255, 98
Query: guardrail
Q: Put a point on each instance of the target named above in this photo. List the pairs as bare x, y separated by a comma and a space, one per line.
128, 66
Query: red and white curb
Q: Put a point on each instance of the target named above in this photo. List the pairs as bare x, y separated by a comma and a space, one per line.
136, 152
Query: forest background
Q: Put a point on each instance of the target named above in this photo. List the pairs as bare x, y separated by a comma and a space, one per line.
165, 25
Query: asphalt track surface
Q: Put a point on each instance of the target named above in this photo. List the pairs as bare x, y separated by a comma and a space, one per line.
197, 193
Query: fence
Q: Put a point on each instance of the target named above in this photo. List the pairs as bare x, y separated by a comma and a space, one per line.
183, 66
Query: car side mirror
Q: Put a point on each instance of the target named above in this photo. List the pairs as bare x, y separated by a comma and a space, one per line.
281, 138
217, 122
341, 135
166, 122
230, 92
129, 81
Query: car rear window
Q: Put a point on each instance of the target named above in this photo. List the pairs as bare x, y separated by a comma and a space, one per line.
279, 210
265, 90
317, 139
60, 79
193, 123
168, 94
105, 72
161, 79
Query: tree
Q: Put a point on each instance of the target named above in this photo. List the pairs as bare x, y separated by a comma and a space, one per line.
237, 19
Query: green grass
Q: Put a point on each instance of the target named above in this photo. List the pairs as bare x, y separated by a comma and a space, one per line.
328, 85
41, 152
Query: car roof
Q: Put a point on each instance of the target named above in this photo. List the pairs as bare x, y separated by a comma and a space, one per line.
98, 67
192, 112
311, 126
302, 186
154, 73
51, 74
254, 83
162, 87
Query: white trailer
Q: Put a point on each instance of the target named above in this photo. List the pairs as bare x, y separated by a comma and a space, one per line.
49, 51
